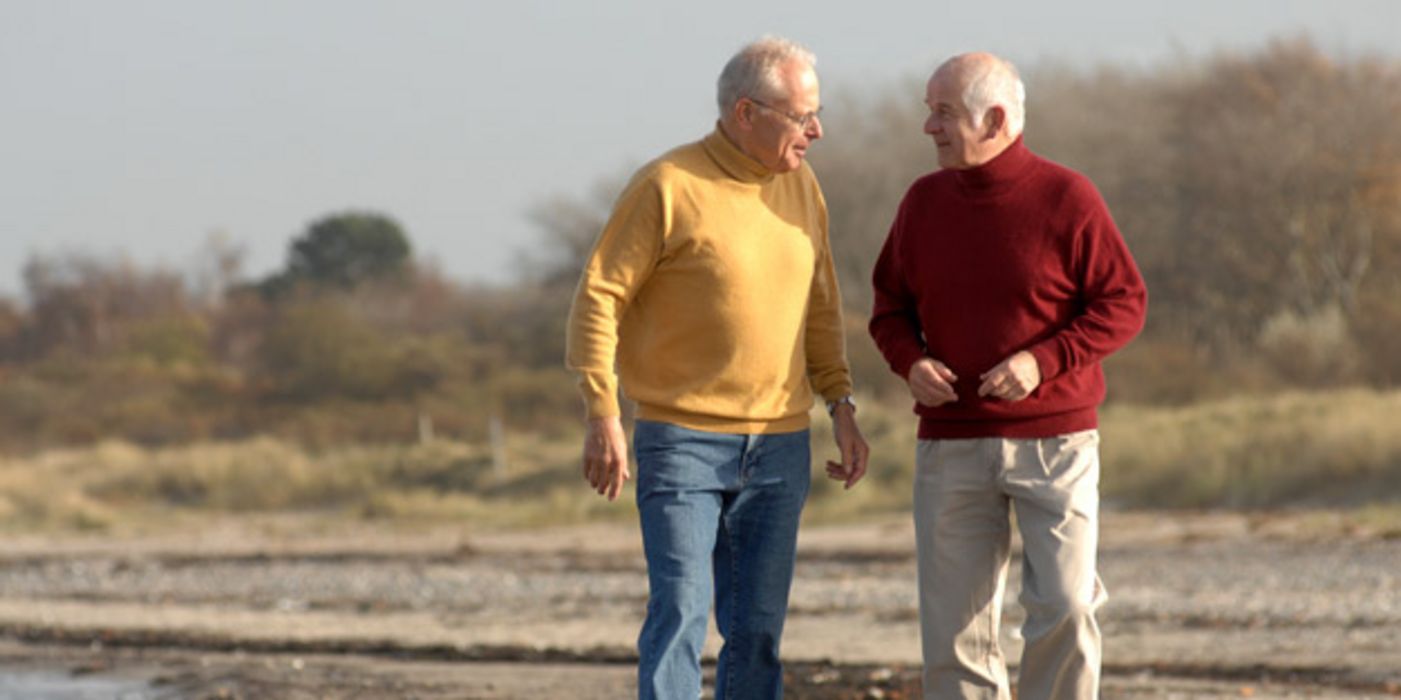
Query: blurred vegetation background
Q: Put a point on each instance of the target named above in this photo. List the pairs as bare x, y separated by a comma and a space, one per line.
1260, 193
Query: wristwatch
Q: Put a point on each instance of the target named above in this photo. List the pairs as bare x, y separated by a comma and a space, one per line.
832, 405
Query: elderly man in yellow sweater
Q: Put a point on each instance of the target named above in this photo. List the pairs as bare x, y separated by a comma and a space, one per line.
712, 291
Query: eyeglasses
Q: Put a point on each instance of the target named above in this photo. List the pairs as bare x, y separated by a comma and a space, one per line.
802, 120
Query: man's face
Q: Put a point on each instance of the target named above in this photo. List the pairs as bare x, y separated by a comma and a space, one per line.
951, 124
777, 139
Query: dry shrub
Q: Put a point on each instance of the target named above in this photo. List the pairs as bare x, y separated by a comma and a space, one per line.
1379, 335
1310, 350
1168, 371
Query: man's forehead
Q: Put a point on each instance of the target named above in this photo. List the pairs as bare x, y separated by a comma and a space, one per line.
944, 89
801, 88
946, 78
802, 79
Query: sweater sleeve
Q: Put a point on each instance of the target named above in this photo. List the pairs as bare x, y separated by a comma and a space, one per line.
825, 338
622, 259
895, 322
1114, 297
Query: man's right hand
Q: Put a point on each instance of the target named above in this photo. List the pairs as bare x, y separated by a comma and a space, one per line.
606, 456
931, 383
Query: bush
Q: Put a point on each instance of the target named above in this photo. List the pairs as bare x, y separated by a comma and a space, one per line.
1314, 350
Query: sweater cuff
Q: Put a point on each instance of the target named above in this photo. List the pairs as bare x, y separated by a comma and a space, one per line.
600, 395
902, 362
1047, 354
836, 391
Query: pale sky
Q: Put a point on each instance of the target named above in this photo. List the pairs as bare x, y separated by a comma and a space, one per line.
139, 128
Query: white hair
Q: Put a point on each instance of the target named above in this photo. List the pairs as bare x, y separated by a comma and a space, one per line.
996, 83
753, 72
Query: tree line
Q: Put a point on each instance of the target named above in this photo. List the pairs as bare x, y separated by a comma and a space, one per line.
353, 340
1260, 193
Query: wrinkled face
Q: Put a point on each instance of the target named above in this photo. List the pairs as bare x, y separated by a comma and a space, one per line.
782, 128
951, 124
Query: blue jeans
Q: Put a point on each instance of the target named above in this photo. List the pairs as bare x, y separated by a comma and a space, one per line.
719, 520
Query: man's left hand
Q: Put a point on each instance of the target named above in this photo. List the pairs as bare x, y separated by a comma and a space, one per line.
852, 446
1013, 379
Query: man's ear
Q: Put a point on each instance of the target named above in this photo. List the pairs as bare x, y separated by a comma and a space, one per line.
994, 120
742, 114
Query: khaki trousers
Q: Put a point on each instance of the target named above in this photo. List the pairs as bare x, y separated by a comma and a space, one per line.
963, 490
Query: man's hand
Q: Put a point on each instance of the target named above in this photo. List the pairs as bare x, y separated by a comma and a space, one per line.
606, 456
931, 383
1013, 379
852, 446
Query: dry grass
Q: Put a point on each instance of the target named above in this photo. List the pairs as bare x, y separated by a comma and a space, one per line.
1309, 450
1340, 448
117, 485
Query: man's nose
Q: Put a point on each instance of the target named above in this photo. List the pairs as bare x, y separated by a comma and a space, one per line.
931, 125
814, 130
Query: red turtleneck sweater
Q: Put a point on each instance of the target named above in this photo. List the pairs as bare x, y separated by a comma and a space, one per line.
1016, 254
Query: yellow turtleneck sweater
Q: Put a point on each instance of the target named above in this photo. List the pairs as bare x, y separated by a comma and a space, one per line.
712, 289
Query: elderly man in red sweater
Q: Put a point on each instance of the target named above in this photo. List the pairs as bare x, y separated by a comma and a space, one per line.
1002, 285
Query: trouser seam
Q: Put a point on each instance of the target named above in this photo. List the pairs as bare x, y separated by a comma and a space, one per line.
996, 460
734, 607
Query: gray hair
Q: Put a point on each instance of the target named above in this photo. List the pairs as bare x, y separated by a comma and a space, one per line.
754, 71
996, 83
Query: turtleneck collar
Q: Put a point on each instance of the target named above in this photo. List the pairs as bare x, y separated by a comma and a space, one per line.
732, 160
998, 174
